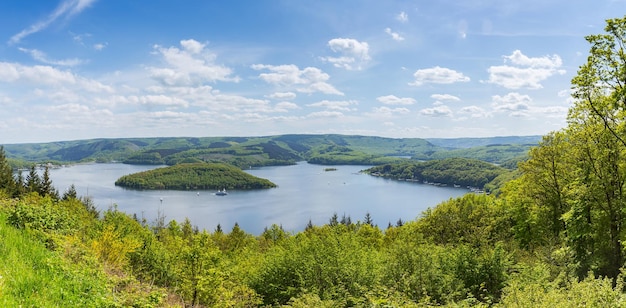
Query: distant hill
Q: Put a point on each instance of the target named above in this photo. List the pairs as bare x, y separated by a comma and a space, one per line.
464, 143
271, 150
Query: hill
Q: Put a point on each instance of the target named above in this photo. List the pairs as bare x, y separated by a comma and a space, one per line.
270, 150
194, 176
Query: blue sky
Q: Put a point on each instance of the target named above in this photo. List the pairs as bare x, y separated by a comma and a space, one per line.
79, 69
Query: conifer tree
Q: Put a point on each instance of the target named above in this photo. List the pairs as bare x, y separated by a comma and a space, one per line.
70, 193
7, 182
46, 188
33, 182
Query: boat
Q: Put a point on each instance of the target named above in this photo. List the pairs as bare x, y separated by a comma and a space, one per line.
221, 192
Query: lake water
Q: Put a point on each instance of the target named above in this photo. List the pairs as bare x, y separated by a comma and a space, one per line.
305, 192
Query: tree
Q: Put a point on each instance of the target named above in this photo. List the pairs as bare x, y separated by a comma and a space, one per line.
33, 182
334, 220
604, 76
7, 182
70, 193
368, 219
597, 125
46, 188
545, 182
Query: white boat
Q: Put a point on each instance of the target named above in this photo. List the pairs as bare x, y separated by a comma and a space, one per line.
221, 192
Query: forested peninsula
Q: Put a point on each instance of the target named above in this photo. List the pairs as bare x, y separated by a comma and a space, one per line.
452, 171
194, 176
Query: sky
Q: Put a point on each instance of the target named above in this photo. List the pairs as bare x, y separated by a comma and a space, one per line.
82, 69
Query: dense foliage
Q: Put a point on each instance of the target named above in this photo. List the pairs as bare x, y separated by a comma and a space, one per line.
459, 171
194, 176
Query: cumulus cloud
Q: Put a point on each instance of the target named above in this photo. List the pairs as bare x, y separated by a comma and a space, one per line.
44, 75
282, 95
335, 105
191, 65
437, 111
353, 54
524, 71
325, 114
286, 106
445, 97
161, 100
511, 102
394, 35
474, 112
439, 75
402, 17
387, 112
308, 80
66, 9
394, 100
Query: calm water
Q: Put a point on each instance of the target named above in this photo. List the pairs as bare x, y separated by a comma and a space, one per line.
304, 192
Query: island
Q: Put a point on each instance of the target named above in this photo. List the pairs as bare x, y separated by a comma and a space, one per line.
194, 176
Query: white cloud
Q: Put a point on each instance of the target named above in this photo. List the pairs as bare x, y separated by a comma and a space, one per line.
99, 46
439, 75
387, 112
38, 74
352, 53
286, 106
192, 65
67, 8
308, 80
394, 35
445, 97
282, 95
511, 102
162, 100
325, 114
559, 112
192, 46
402, 17
335, 105
525, 72
474, 111
42, 57
394, 100
437, 111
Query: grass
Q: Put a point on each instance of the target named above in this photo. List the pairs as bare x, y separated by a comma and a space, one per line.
33, 276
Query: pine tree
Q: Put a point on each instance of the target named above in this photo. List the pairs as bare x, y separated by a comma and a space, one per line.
7, 182
46, 188
334, 220
70, 193
33, 182
368, 219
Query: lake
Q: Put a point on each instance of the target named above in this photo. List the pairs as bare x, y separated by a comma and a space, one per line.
305, 192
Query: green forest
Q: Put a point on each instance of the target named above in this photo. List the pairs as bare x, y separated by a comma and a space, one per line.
452, 171
194, 176
245, 152
552, 237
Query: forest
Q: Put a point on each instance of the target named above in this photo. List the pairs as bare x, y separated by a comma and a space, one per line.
245, 152
552, 237
452, 171
193, 176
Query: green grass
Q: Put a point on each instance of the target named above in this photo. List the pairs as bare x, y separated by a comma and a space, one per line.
33, 276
